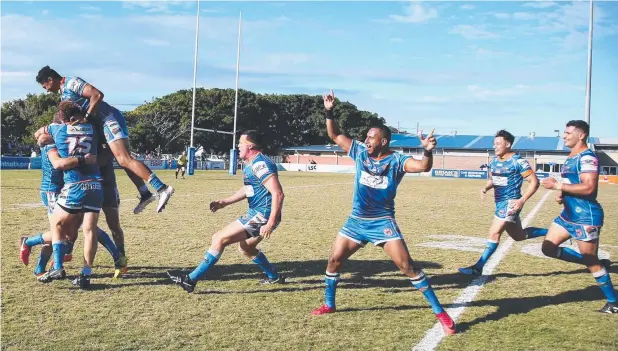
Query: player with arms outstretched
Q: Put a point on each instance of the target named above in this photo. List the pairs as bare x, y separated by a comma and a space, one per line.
112, 123
379, 170
582, 216
265, 197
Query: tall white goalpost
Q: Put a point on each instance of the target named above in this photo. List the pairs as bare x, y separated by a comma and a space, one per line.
191, 150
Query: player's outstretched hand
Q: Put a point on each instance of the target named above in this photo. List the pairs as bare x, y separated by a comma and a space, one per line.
217, 205
266, 230
429, 142
90, 159
329, 100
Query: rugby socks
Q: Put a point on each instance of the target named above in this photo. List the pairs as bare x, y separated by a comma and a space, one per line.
104, 239
490, 248
209, 260
143, 190
58, 248
266, 266
35, 240
69, 247
156, 183
605, 283
331, 280
533, 232
44, 256
421, 283
86, 270
569, 255
121, 249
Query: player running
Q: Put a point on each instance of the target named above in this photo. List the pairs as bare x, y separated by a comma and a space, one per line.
181, 164
265, 196
379, 170
582, 216
113, 124
507, 173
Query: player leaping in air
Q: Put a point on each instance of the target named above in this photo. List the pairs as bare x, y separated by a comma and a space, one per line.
378, 173
112, 123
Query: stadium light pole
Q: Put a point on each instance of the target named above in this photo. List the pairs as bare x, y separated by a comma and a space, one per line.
232, 170
191, 152
589, 77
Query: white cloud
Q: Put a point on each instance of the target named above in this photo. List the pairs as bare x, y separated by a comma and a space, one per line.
90, 8
45, 12
524, 16
396, 40
502, 15
90, 16
467, 7
482, 93
539, 4
472, 32
156, 42
488, 54
415, 13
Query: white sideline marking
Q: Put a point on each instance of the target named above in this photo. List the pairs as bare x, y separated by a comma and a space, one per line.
434, 336
38, 204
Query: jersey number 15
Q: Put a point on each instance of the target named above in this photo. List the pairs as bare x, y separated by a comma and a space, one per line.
80, 145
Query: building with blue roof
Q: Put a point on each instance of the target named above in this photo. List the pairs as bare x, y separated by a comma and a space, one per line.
454, 151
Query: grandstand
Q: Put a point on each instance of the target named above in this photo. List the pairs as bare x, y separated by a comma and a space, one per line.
471, 152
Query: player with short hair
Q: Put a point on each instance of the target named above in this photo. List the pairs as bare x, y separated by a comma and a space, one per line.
52, 166
264, 194
507, 172
379, 170
582, 216
113, 124
181, 164
81, 196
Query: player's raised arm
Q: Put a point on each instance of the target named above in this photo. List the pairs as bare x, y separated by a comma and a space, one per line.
425, 164
331, 125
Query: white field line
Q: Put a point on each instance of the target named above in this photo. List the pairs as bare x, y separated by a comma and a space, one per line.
23, 206
434, 336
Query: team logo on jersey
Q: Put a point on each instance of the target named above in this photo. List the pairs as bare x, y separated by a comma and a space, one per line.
373, 181
80, 129
578, 210
388, 231
260, 169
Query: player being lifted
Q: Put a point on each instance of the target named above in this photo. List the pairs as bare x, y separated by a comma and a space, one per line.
265, 196
379, 170
582, 216
112, 123
507, 173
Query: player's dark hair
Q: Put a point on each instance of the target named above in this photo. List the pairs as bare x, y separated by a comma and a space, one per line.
69, 112
581, 125
506, 135
255, 137
385, 131
45, 73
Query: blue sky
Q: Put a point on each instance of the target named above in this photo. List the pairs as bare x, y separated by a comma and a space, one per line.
470, 67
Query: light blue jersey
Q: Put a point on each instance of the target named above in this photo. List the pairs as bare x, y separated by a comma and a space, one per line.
255, 173
581, 209
74, 140
508, 177
376, 182
52, 179
106, 118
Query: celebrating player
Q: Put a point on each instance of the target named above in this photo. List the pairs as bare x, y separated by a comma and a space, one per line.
81, 196
265, 196
582, 216
114, 127
508, 172
379, 170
